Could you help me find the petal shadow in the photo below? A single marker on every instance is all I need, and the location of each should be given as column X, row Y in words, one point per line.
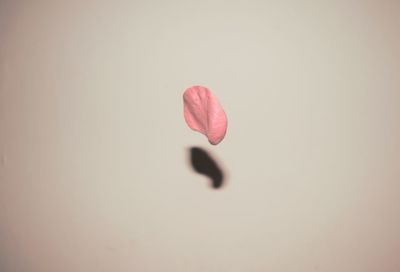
column 203, row 163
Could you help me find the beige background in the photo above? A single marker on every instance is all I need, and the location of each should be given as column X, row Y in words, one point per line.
column 94, row 172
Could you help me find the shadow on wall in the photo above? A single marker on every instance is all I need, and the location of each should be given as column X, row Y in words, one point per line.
column 203, row 163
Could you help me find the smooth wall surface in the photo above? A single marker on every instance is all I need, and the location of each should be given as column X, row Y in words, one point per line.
column 94, row 172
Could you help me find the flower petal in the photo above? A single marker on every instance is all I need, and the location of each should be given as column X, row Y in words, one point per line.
column 204, row 114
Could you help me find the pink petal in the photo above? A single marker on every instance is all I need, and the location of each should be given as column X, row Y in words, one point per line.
column 204, row 114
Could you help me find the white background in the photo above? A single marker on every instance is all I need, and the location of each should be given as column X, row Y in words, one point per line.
column 94, row 166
